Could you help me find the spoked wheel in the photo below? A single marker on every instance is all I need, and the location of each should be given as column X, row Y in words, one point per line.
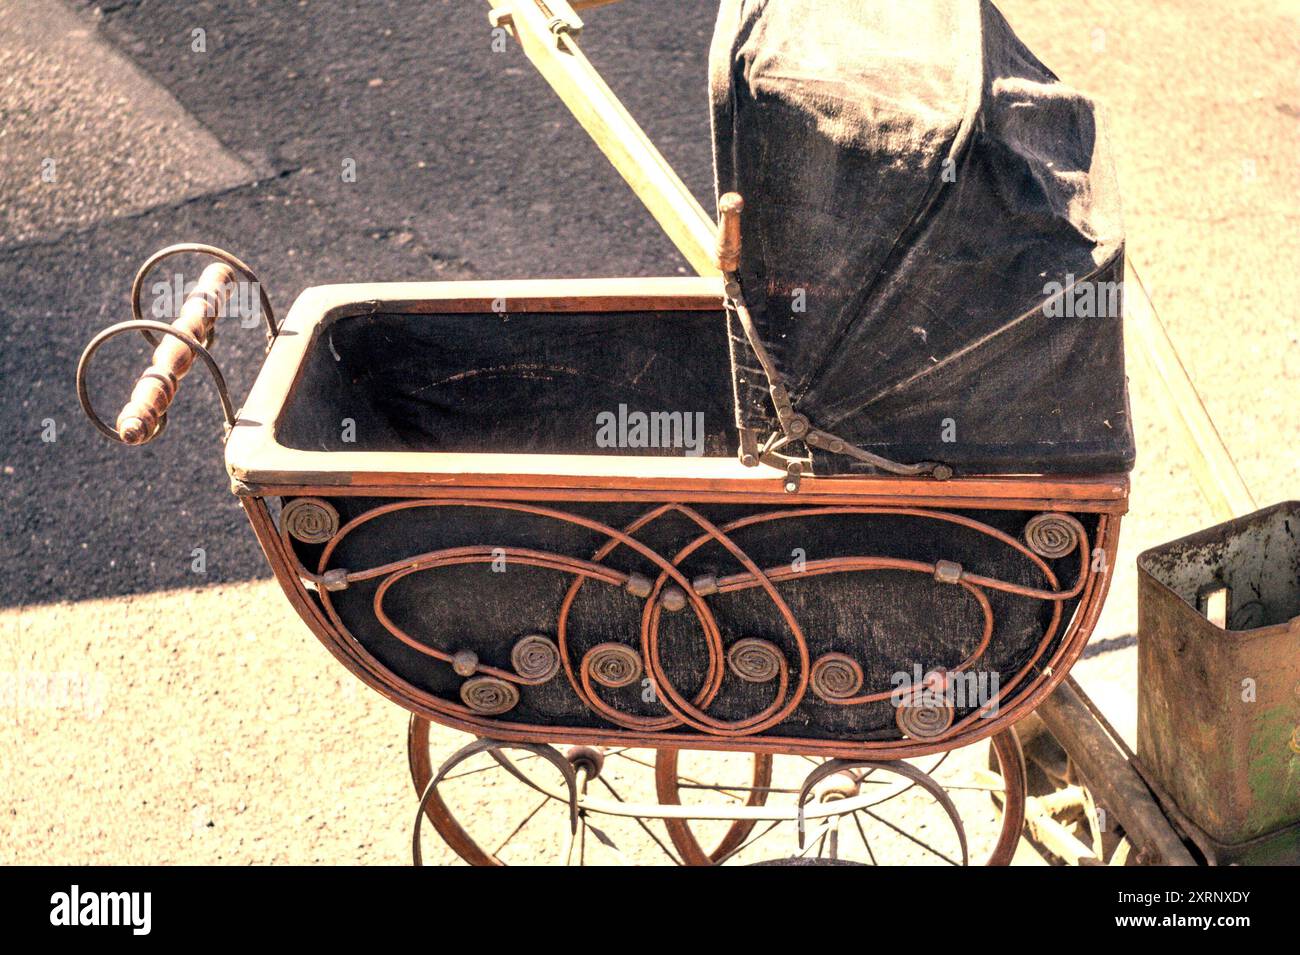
column 504, row 803
column 421, row 763
column 668, row 787
column 493, row 803
column 918, row 812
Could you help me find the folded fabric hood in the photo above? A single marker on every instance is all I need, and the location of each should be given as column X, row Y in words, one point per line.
column 932, row 247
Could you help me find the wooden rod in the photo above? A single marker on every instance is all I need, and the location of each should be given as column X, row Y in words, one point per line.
column 561, row 62
column 1212, row 467
column 1113, row 781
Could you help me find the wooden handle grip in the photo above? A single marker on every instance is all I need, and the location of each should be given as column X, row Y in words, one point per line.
column 172, row 359
column 730, row 206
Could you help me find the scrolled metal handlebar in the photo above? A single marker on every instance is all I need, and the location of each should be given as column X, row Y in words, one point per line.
column 199, row 248
column 144, row 325
column 145, row 414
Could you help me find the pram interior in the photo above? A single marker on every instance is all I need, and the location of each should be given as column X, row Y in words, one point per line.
column 625, row 382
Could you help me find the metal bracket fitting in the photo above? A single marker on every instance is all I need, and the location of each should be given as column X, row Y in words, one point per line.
column 561, row 19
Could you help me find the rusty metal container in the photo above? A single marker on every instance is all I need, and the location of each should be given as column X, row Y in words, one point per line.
column 1219, row 683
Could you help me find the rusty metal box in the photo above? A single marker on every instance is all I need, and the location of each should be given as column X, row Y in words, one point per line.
column 1219, row 682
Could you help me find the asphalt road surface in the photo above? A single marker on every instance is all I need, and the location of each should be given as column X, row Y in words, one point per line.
column 466, row 166
column 209, row 725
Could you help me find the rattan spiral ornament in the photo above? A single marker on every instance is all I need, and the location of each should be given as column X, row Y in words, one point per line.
column 836, row 677
column 535, row 658
column 754, row 660
column 310, row 520
column 489, row 695
column 924, row 715
column 613, row 664
column 1052, row 535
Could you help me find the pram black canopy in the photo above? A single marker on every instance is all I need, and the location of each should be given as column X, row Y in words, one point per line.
column 933, row 250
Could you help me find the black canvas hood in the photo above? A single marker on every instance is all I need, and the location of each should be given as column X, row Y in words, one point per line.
column 933, row 249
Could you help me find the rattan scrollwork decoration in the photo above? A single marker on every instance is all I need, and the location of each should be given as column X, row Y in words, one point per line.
column 785, row 665
column 1052, row 535
column 754, row 660
column 535, row 658
column 924, row 714
column 310, row 520
column 836, row 677
column 613, row 665
column 489, row 695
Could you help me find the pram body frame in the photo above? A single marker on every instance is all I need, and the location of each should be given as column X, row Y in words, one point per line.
column 262, row 469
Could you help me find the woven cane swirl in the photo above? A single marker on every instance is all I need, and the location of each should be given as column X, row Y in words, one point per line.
column 924, row 716
column 489, row 695
column 754, row 660
column 836, row 677
column 613, row 664
column 536, row 658
column 310, row 520
column 1051, row 535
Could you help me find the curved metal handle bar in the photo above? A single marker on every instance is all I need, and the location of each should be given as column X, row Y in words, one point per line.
column 145, row 325
column 199, row 248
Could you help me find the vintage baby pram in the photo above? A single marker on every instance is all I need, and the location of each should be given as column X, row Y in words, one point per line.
column 856, row 501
